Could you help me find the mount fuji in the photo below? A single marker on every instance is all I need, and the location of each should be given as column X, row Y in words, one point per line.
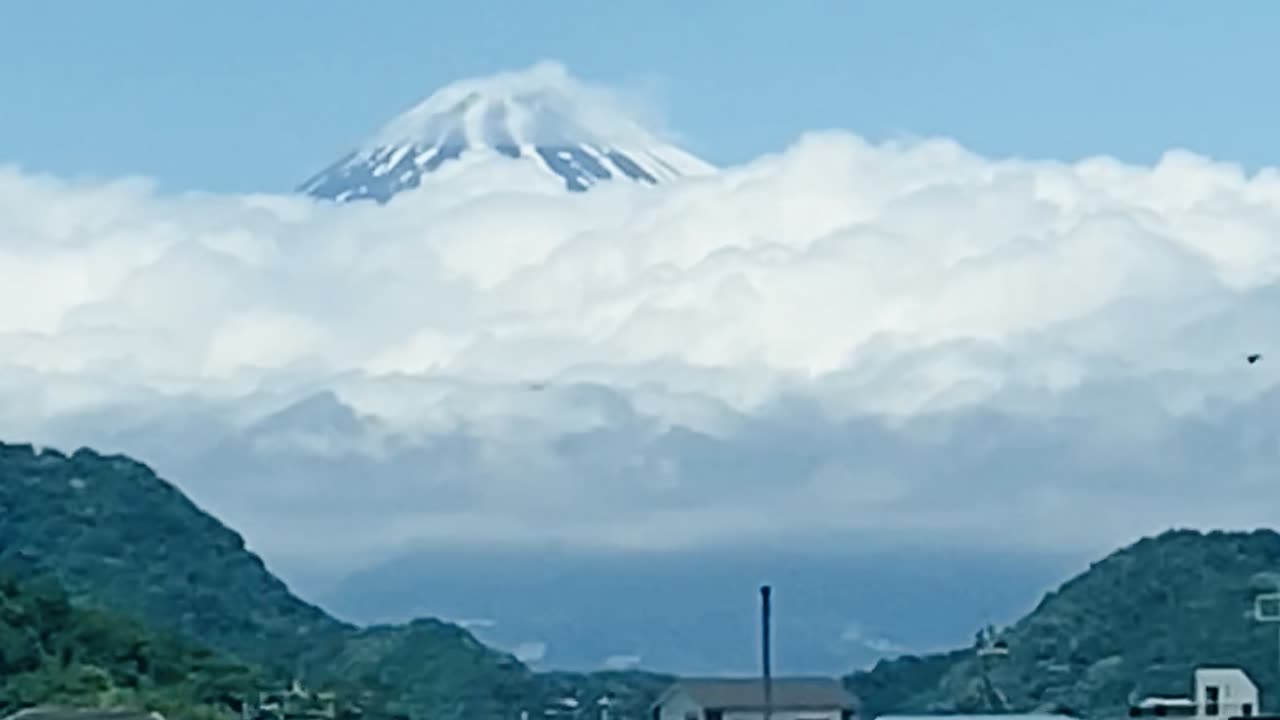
column 541, row 115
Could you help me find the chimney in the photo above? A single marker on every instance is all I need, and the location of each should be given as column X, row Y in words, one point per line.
column 765, row 663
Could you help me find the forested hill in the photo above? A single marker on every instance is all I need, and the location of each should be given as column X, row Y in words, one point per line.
column 1136, row 623
column 119, row 538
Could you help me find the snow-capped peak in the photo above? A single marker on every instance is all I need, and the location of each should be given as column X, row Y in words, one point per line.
column 540, row 114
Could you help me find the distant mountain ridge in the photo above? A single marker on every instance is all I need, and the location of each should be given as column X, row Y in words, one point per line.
column 539, row 116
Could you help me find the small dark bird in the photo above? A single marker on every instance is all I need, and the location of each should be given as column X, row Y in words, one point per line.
column 1253, row 358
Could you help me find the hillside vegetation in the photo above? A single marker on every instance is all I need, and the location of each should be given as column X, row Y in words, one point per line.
column 122, row 540
column 54, row 653
column 1136, row 623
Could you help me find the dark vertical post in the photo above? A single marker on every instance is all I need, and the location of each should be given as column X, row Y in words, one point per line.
column 765, row 612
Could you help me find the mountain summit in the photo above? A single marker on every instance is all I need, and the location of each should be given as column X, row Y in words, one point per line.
column 537, row 115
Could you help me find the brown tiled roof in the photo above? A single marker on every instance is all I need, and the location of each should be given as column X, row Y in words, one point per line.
column 789, row 693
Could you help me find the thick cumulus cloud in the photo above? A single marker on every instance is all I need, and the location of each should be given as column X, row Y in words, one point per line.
column 843, row 343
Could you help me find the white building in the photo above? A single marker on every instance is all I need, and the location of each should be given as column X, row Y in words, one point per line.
column 1220, row 693
column 743, row 699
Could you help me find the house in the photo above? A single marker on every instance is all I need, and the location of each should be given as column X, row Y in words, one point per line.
column 1223, row 693
column 294, row 703
column 794, row 698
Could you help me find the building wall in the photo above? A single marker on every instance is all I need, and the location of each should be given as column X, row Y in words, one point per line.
column 675, row 707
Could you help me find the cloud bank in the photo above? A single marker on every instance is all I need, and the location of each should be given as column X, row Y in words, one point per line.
column 843, row 343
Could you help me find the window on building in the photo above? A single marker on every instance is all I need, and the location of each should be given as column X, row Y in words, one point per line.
column 1212, row 695
column 1246, row 710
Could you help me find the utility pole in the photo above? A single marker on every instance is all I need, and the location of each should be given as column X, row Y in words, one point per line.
column 766, row 668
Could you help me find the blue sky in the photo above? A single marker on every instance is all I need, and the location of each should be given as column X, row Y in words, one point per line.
column 247, row 95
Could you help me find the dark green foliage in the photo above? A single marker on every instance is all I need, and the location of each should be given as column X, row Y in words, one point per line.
column 1136, row 623
column 52, row 652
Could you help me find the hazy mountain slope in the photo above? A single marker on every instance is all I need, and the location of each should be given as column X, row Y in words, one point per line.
column 695, row 612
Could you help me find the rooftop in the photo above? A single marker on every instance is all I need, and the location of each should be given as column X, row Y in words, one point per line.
column 789, row 693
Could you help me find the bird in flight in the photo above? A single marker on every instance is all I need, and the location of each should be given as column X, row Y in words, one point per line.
column 1253, row 358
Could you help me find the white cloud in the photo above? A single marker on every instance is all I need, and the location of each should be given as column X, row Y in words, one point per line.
column 530, row 652
column 840, row 341
column 611, row 113
column 856, row 634
column 622, row 662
